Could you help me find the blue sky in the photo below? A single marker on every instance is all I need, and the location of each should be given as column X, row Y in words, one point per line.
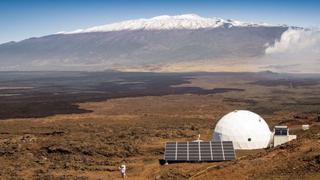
column 21, row 19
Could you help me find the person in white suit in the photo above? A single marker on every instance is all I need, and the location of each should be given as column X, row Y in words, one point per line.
column 122, row 169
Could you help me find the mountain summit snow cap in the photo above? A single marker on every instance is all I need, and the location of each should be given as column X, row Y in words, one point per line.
column 166, row 22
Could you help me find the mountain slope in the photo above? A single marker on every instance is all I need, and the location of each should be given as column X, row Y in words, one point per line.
column 157, row 41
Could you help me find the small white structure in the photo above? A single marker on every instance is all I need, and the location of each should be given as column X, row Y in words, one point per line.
column 305, row 127
column 281, row 135
column 247, row 130
column 198, row 139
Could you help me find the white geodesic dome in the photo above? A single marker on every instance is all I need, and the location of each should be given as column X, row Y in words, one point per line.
column 247, row 130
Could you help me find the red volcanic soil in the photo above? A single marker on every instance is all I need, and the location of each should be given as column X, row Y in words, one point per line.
column 92, row 144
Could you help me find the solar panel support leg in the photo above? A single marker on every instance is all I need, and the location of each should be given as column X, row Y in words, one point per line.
column 222, row 151
column 187, row 151
column 199, row 151
column 211, row 151
column 176, row 155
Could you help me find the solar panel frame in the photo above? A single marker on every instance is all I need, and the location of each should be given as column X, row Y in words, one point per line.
column 217, row 151
column 205, row 151
column 229, row 151
column 170, row 151
column 181, row 151
column 196, row 151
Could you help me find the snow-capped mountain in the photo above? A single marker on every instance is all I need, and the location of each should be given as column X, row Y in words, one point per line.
column 144, row 44
column 186, row 21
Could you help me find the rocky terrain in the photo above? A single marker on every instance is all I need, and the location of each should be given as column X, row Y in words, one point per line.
column 133, row 129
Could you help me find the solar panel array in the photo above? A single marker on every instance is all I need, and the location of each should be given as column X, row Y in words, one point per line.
column 199, row 151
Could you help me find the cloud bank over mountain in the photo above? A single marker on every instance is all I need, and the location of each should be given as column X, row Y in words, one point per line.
column 297, row 50
column 297, row 42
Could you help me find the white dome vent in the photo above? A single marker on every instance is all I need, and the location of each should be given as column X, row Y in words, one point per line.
column 247, row 130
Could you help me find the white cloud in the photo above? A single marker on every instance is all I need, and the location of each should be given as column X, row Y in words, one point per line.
column 297, row 42
column 298, row 50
